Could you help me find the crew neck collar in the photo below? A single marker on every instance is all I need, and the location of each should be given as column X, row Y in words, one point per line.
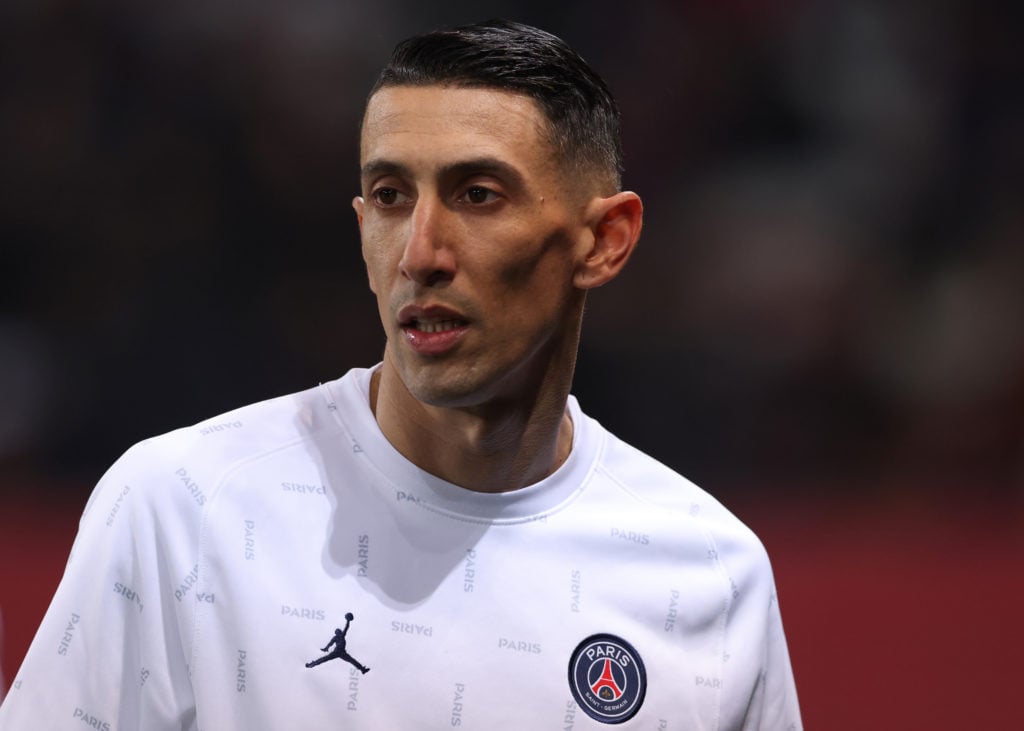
column 350, row 396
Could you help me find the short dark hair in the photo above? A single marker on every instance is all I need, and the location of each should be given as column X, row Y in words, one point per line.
column 581, row 112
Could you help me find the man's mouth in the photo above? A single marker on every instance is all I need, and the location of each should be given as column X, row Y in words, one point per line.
column 432, row 330
column 434, row 326
column 431, row 318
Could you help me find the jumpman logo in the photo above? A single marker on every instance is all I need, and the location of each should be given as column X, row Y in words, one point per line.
column 606, row 687
column 339, row 648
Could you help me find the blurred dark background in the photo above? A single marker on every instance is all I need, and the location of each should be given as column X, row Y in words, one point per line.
column 822, row 325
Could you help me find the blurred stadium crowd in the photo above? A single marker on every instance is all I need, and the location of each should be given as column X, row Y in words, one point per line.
column 829, row 289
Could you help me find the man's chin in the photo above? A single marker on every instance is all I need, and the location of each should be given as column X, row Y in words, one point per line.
column 445, row 395
column 449, row 383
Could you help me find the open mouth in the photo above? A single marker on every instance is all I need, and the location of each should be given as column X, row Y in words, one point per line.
column 432, row 330
column 434, row 326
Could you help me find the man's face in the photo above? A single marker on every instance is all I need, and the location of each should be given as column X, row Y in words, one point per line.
column 471, row 233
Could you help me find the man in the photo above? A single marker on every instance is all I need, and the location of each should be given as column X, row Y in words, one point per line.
column 513, row 565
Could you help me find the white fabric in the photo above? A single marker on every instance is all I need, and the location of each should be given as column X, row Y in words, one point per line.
column 212, row 563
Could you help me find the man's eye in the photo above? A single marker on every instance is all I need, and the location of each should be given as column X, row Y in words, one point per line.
column 479, row 194
column 386, row 196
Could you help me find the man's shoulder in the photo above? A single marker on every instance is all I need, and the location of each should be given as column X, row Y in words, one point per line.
column 187, row 463
column 676, row 498
column 250, row 429
column 649, row 479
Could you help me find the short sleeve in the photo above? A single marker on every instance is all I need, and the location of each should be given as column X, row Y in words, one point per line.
column 112, row 650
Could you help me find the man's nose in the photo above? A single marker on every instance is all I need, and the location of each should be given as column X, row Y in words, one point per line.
column 428, row 258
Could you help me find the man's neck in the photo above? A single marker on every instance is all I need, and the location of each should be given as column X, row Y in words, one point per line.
column 494, row 449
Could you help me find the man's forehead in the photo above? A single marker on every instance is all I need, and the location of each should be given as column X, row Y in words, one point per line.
column 474, row 115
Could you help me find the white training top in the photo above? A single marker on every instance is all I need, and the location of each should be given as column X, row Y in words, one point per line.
column 215, row 562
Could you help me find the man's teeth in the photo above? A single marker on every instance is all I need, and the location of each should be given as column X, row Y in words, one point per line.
column 437, row 327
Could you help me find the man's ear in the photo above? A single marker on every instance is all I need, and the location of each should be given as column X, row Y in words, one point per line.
column 357, row 206
column 615, row 224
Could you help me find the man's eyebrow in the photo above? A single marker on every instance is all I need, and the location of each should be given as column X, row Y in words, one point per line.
column 460, row 168
column 377, row 168
column 483, row 166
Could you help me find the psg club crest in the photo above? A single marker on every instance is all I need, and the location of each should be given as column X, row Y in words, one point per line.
column 607, row 678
